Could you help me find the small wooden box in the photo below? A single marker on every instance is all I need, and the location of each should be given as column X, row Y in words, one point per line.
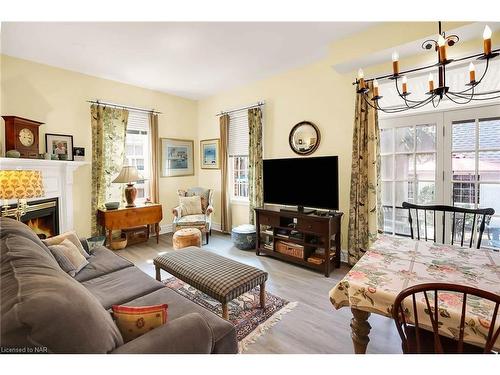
column 291, row 249
column 136, row 234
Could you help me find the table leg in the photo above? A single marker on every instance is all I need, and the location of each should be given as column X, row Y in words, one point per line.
column 158, row 273
column 225, row 314
column 157, row 230
column 263, row 295
column 110, row 232
column 360, row 329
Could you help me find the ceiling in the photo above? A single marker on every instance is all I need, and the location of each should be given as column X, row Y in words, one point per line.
column 189, row 59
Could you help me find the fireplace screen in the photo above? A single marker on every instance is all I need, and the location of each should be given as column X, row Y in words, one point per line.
column 42, row 216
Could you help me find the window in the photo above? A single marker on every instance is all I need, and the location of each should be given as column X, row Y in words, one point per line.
column 450, row 157
column 238, row 154
column 138, row 150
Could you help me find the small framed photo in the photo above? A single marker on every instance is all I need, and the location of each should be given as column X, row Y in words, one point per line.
column 79, row 153
column 209, row 153
column 177, row 157
column 60, row 145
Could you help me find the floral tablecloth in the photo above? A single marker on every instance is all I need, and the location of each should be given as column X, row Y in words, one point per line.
column 395, row 263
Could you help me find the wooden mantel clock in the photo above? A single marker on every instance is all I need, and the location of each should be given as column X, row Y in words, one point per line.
column 22, row 135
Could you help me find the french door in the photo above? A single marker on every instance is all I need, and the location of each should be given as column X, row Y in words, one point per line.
column 448, row 157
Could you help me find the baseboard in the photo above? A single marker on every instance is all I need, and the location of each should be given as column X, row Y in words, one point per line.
column 166, row 228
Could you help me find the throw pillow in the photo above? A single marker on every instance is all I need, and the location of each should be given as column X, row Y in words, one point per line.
column 63, row 260
column 72, row 236
column 134, row 321
column 71, row 252
column 204, row 194
column 190, row 205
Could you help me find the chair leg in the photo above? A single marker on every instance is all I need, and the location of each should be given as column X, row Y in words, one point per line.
column 207, row 237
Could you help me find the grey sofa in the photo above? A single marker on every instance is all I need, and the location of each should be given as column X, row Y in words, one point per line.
column 43, row 309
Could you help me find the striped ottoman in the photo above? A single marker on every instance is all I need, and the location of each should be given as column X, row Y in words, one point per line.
column 219, row 277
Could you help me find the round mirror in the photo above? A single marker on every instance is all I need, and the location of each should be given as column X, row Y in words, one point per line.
column 304, row 138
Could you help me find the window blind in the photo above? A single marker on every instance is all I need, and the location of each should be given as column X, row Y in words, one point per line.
column 138, row 121
column 238, row 133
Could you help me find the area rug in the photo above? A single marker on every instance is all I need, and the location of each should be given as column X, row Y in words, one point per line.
column 245, row 313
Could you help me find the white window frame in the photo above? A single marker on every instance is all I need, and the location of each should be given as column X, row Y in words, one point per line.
column 444, row 121
column 236, row 198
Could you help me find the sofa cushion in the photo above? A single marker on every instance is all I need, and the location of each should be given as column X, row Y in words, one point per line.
column 14, row 227
column 42, row 306
column 71, row 252
column 135, row 321
column 224, row 332
column 119, row 287
column 101, row 262
column 71, row 236
column 63, row 261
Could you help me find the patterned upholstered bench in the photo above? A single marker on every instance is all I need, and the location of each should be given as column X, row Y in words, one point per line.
column 221, row 278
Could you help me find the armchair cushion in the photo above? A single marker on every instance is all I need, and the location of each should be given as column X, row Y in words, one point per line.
column 203, row 193
column 190, row 205
column 192, row 220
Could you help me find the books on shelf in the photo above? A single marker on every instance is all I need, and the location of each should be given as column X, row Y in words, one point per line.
column 268, row 246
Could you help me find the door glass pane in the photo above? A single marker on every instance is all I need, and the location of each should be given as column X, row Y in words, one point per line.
column 387, row 193
column 488, row 196
column 401, row 225
column 404, row 166
column 463, row 164
column 426, row 138
column 489, row 133
column 426, row 166
column 388, row 222
column 464, row 135
column 404, row 192
column 386, row 167
column 464, row 194
column 426, row 191
column 386, row 144
column 489, row 165
column 404, row 139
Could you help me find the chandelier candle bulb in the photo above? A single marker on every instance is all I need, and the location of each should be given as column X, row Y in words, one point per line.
column 405, row 85
column 487, row 40
column 431, row 82
column 375, row 87
column 361, row 79
column 472, row 73
column 442, row 49
column 395, row 63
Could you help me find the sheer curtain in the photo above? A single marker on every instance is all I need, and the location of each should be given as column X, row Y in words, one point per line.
column 365, row 214
column 225, row 211
column 154, row 141
column 109, row 127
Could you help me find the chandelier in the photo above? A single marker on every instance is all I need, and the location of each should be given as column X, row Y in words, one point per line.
column 435, row 93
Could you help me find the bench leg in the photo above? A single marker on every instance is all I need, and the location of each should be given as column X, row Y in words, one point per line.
column 158, row 275
column 225, row 314
column 263, row 295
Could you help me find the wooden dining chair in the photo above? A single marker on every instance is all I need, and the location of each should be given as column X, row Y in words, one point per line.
column 417, row 340
column 459, row 216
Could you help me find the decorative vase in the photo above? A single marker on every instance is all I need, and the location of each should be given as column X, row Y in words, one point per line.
column 130, row 194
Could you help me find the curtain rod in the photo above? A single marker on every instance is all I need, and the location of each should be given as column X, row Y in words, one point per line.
column 114, row 105
column 258, row 104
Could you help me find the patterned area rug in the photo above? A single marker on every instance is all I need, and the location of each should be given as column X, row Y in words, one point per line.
column 245, row 313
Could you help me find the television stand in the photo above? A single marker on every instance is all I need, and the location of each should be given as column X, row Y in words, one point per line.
column 300, row 210
column 308, row 240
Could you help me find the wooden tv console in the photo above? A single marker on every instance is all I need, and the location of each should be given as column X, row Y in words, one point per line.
column 278, row 231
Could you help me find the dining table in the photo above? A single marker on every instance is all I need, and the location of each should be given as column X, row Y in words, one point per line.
column 393, row 263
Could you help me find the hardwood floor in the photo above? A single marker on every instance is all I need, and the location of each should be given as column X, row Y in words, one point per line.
column 314, row 326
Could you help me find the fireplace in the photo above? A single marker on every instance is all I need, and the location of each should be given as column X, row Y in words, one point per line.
column 42, row 216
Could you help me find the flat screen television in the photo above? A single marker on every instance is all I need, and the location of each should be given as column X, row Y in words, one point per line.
column 303, row 182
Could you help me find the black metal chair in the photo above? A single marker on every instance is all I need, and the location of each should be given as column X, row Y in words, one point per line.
column 459, row 218
column 416, row 340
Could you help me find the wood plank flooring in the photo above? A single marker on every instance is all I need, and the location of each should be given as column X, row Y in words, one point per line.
column 314, row 326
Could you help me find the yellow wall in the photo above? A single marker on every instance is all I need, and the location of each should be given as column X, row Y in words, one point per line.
column 58, row 98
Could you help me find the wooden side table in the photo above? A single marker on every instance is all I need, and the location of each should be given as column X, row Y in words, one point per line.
column 122, row 218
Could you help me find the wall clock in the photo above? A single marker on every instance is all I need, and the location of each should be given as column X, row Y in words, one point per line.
column 22, row 134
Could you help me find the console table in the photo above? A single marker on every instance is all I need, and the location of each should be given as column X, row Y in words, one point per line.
column 129, row 217
column 309, row 231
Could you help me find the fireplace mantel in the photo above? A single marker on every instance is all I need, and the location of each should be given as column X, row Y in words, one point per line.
column 57, row 181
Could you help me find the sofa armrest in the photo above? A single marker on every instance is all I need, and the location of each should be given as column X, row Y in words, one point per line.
column 189, row 334
column 210, row 210
column 176, row 211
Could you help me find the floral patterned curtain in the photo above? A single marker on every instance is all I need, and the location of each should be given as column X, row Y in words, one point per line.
column 365, row 213
column 255, row 186
column 109, row 126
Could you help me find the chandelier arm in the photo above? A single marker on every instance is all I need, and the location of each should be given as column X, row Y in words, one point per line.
column 457, row 102
column 475, row 83
column 367, row 102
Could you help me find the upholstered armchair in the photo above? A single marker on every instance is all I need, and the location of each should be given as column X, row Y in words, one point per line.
column 202, row 221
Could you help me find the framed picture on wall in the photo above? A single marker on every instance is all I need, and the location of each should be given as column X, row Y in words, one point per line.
column 177, row 157
column 60, row 145
column 209, row 154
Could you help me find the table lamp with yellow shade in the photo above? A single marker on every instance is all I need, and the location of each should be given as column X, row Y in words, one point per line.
column 20, row 185
column 128, row 175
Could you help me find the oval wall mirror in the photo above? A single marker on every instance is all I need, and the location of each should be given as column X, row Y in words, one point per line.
column 304, row 138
